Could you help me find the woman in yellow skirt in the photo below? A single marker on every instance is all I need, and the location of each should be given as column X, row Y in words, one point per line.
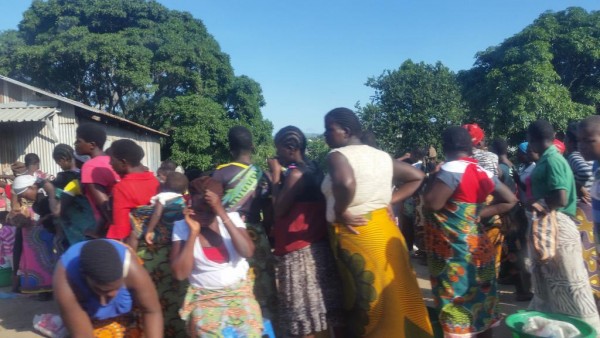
column 381, row 293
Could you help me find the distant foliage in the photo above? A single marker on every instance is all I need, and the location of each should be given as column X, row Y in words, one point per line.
column 317, row 150
column 412, row 106
column 144, row 62
column 549, row 70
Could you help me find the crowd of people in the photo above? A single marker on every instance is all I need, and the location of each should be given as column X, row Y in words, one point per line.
column 314, row 252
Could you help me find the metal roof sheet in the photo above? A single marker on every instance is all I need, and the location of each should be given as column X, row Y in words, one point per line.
column 23, row 114
column 87, row 108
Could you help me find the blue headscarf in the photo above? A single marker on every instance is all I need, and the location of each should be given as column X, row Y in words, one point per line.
column 523, row 147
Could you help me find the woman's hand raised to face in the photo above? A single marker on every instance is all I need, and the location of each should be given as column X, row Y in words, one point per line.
column 191, row 222
column 275, row 168
column 214, row 201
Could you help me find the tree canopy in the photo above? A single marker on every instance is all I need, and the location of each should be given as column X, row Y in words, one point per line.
column 549, row 70
column 412, row 106
column 142, row 61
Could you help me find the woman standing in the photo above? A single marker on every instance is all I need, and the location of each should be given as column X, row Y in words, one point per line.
column 561, row 283
column 381, row 292
column 242, row 184
column 210, row 247
column 37, row 257
column 584, row 179
column 460, row 254
column 300, row 232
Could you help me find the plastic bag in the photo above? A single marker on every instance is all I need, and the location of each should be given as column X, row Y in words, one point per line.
column 549, row 328
column 50, row 325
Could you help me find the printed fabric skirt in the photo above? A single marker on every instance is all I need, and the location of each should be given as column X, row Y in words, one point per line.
column 562, row 285
column 262, row 271
column 155, row 258
column 37, row 260
column 381, row 294
column 208, row 312
column 309, row 295
column 584, row 221
column 462, row 260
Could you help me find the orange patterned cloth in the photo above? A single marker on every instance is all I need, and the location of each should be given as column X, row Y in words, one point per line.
column 126, row 326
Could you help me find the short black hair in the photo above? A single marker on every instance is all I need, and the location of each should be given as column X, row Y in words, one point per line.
column 419, row 152
column 127, row 150
column 592, row 122
column 92, row 132
column 456, row 139
column 346, row 118
column 176, row 182
column 291, row 137
column 31, row 159
column 571, row 132
column 499, row 146
column 541, row 130
column 240, row 139
column 100, row 261
column 168, row 165
column 62, row 152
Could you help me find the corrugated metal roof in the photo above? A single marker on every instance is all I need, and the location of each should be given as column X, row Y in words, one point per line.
column 81, row 105
column 12, row 114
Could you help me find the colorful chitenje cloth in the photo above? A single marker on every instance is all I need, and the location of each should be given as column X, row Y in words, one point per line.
column 155, row 257
column 37, row 260
column 207, row 312
column 125, row 326
column 78, row 218
column 381, row 294
column 461, row 257
column 583, row 220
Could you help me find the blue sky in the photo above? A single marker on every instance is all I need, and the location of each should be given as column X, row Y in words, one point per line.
column 311, row 56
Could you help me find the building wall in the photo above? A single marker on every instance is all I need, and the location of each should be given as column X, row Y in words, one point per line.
column 18, row 139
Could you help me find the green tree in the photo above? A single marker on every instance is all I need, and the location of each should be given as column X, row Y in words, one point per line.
column 549, row 70
column 412, row 106
column 317, row 150
column 136, row 58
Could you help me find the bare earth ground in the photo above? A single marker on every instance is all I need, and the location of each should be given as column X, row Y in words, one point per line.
column 16, row 315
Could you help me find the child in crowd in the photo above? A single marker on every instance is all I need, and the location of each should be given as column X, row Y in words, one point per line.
column 136, row 188
column 167, row 206
column 97, row 175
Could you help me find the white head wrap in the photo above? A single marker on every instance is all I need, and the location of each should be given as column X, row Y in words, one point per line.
column 22, row 182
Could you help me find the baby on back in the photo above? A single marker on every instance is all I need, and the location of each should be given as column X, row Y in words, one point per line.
column 167, row 207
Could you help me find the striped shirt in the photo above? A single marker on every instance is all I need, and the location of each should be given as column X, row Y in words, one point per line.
column 582, row 169
column 487, row 160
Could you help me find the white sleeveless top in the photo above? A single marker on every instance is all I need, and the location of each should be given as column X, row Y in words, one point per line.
column 373, row 172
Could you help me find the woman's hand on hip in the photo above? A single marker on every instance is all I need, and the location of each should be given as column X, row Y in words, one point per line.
column 350, row 221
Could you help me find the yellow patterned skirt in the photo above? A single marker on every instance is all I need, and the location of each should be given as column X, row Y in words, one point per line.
column 381, row 294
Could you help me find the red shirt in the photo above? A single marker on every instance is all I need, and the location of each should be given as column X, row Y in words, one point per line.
column 134, row 190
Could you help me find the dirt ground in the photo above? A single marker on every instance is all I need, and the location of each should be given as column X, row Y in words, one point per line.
column 16, row 315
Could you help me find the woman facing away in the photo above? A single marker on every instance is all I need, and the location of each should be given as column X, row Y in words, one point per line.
column 210, row 247
column 242, row 183
column 381, row 294
column 461, row 258
column 300, row 231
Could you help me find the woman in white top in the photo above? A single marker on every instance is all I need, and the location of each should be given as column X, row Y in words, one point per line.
column 381, row 292
column 210, row 247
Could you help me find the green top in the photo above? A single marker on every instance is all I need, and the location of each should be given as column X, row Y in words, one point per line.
column 552, row 172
